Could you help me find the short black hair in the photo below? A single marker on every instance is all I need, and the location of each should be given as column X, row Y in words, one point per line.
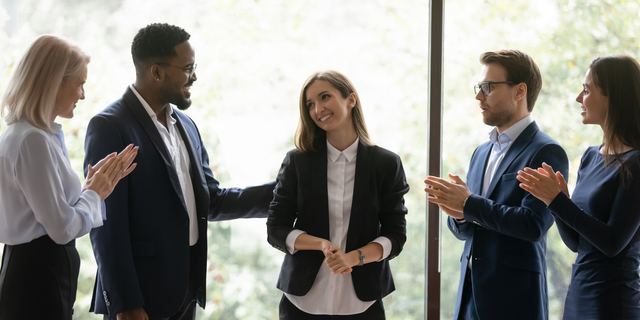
column 157, row 40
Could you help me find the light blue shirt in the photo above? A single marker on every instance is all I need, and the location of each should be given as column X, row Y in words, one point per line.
column 39, row 191
column 502, row 143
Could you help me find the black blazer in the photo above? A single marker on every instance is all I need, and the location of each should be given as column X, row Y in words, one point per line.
column 301, row 202
column 142, row 250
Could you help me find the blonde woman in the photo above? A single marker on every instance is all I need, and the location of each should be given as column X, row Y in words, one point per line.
column 43, row 205
column 338, row 209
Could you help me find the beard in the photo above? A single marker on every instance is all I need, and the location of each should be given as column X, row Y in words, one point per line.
column 502, row 116
column 176, row 97
column 181, row 102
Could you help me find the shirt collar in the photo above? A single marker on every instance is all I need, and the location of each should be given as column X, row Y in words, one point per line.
column 349, row 153
column 147, row 108
column 511, row 134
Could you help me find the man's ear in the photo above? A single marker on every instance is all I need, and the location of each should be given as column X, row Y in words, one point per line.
column 156, row 72
column 520, row 91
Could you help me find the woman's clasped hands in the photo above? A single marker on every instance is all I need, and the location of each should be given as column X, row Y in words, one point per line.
column 543, row 183
column 338, row 261
column 104, row 176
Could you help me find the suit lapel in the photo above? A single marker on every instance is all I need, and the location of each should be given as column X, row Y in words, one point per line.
column 479, row 165
column 195, row 161
column 319, row 190
column 149, row 127
column 360, row 193
column 521, row 143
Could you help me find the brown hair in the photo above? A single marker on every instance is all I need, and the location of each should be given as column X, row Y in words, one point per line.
column 520, row 68
column 308, row 134
column 618, row 78
column 34, row 83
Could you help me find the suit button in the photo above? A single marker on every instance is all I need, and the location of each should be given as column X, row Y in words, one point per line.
column 186, row 223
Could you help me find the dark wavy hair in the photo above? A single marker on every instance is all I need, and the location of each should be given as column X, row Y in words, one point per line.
column 156, row 41
column 618, row 78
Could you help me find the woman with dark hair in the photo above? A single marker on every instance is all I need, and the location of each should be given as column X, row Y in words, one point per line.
column 601, row 220
column 338, row 210
column 43, row 205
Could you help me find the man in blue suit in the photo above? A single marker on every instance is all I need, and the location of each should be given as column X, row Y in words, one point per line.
column 152, row 250
column 503, row 273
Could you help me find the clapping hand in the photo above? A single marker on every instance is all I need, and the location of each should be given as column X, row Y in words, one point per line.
column 104, row 176
column 543, row 183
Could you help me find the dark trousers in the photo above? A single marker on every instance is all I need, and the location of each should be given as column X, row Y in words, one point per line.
column 467, row 302
column 39, row 280
column 188, row 309
column 290, row 312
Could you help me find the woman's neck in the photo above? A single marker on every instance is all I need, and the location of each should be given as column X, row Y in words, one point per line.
column 342, row 139
column 621, row 148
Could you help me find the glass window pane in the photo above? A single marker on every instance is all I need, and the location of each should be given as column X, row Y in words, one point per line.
column 562, row 36
column 253, row 57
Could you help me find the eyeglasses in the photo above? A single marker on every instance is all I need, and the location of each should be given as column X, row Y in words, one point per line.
column 485, row 87
column 190, row 70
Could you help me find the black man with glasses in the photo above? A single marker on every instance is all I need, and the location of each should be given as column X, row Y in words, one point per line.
column 152, row 249
column 503, row 272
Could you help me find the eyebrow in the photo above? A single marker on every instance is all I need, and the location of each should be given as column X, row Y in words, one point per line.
column 319, row 94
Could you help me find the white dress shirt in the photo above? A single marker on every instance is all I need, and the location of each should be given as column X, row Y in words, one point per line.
column 180, row 157
column 334, row 294
column 40, row 194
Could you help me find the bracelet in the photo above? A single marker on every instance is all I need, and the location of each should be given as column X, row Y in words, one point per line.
column 361, row 258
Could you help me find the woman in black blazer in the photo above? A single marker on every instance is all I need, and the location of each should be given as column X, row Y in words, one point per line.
column 338, row 210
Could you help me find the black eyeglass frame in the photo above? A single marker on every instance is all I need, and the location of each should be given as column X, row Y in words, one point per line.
column 488, row 84
column 191, row 70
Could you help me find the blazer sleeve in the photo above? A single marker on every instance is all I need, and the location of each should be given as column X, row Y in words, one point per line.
column 282, row 211
column 393, row 224
column 531, row 219
column 112, row 242
column 231, row 203
column 609, row 237
column 459, row 230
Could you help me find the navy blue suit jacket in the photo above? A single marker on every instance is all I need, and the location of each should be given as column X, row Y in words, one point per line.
column 142, row 250
column 301, row 202
column 505, row 232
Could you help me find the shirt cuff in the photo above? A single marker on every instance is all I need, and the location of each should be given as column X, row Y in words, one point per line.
column 97, row 213
column 291, row 240
column 386, row 246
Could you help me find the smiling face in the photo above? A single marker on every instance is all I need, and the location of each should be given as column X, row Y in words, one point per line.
column 499, row 107
column 328, row 109
column 178, row 77
column 594, row 104
column 71, row 90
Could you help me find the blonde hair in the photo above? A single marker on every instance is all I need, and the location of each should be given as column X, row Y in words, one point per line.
column 34, row 82
column 308, row 133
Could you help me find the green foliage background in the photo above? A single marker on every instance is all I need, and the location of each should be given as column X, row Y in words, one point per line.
column 254, row 55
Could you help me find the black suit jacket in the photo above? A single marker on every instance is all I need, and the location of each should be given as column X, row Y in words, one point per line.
column 301, row 202
column 506, row 231
column 142, row 250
